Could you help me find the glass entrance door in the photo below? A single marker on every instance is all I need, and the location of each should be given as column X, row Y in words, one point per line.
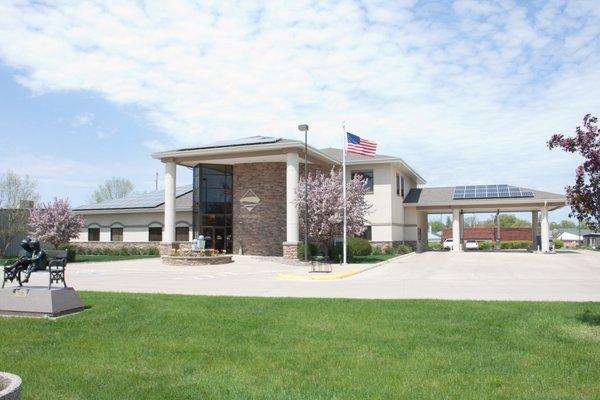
column 217, row 237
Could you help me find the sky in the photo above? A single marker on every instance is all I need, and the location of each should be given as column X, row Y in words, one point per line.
column 466, row 92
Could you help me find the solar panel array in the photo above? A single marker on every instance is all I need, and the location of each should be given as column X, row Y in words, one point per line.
column 490, row 192
column 143, row 200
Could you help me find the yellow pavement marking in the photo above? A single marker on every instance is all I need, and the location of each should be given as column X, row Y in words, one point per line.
column 323, row 277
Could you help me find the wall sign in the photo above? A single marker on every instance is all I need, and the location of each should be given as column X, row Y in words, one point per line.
column 249, row 200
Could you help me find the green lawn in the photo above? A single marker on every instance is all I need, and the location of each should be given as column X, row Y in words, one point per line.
column 132, row 346
column 83, row 258
column 371, row 259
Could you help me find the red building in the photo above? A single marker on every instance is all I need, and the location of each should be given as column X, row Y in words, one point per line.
column 490, row 234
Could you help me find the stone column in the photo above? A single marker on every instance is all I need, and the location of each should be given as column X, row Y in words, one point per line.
column 545, row 230
column 534, row 229
column 170, row 184
column 290, row 246
column 422, row 230
column 456, row 230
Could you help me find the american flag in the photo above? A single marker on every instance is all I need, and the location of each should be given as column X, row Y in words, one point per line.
column 360, row 146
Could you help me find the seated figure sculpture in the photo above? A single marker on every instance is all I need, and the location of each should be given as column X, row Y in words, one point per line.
column 33, row 257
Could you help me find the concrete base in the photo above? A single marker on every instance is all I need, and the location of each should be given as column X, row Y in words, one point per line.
column 39, row 301
column 10, row 386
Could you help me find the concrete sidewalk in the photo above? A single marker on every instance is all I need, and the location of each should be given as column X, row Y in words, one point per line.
column 570, row 276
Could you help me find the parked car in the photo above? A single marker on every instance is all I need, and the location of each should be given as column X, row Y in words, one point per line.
column 448, row 243
column 471, row 245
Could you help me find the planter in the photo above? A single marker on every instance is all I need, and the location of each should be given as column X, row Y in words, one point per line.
column 10, row 386
column 195, row 260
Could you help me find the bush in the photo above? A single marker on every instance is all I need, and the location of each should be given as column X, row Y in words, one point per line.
column 312, row 251
column 559, row 244
column 153, row 251
column 376, row 251
column 390, row 251
column 71, row 251
column 486, row 245
column 435, row 246
column 335, row 253
column 516, row 244
column 358, row 246
column 405, row 249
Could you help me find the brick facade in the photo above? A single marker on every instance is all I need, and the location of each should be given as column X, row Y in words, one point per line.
column 506, row 234
column 262, row 230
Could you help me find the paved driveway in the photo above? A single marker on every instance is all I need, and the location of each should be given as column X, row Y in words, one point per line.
column 573, row 276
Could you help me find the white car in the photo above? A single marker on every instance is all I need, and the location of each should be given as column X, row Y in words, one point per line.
column 471, row 245
column 447, row 245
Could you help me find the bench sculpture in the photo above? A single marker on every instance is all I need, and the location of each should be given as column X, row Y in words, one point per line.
column 34, row 258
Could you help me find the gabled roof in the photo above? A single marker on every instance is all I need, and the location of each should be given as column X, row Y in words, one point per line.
column 142, row 200
column 355, row 159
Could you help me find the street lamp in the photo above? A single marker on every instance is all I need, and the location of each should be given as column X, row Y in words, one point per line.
column 304, row 128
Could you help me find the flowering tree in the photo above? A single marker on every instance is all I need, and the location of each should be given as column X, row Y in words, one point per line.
column 54, row 222
column 584, row 196
column 325, row 206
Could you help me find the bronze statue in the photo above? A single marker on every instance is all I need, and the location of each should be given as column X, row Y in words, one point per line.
column 32, row 257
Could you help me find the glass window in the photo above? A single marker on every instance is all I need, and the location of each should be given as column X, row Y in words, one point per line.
column 213, row 206
column 402, row 186
column 367, row 233
column 368, row 175
column 116, row 234
column 397, row 185
column 182, row 234
column 155, row 234
column 93, row 234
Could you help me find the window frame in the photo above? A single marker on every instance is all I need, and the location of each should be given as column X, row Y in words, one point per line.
column 187, row 236
column 95, row 229
column 112, row 233
column 370, row 187
column 367, row 233
column 150, row 239
column 402, row 186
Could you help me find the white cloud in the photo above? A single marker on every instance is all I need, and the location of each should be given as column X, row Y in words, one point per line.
column 478, row 87
column 82, row 119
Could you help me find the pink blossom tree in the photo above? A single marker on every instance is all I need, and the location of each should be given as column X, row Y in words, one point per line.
column 325, row 206
column 584, row 195
column 54, row 222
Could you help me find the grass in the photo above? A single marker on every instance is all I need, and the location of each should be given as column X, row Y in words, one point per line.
column 373, row 258
column 84, row 258
column 144, row 346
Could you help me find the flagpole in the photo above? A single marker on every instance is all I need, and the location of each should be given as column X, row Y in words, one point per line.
column 344, row 251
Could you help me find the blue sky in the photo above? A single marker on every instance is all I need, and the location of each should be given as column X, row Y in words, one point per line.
column 467, row 92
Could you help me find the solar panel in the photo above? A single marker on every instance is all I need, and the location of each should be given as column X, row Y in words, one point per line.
column 490, row 192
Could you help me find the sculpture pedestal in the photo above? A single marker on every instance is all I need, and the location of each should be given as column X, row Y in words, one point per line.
column 39, row 301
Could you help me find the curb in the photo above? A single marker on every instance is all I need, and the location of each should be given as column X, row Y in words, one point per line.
column 343, row 275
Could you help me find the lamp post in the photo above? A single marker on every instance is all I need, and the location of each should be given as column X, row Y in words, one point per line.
column 304, row 128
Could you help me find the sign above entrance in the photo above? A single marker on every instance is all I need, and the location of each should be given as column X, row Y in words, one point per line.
column 249, row 200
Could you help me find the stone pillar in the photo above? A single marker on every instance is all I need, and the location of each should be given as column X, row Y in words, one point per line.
column 545, row 230
column 534, row 229
column 290, row 245
column 456, row 230
column 422, row 231
column 170, row 184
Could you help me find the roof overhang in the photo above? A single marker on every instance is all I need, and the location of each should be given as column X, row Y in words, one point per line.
column 485, row 206
column 267, row 152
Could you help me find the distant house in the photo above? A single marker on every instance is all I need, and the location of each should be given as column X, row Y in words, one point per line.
column 592, row 239
column 571, row 237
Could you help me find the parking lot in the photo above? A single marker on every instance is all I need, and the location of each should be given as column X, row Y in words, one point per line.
column 567, row 275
